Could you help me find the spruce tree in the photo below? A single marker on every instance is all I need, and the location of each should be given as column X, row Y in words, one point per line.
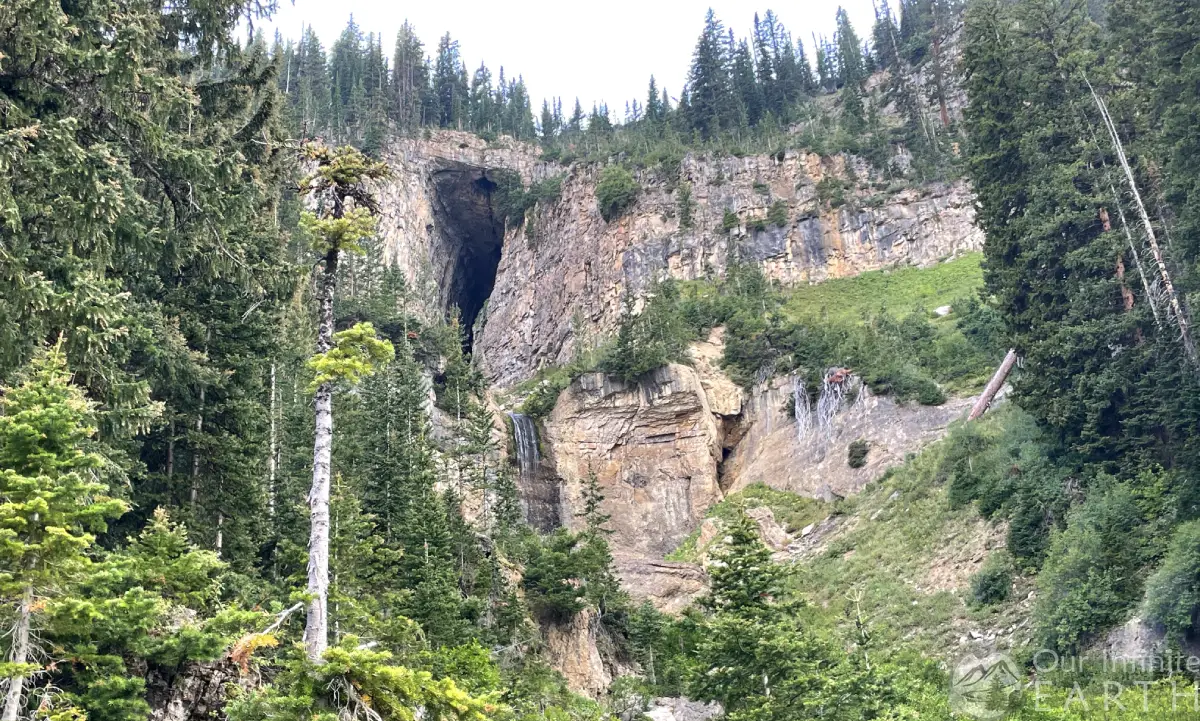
column 52, row 502
column 712, row 103
column 410, row 78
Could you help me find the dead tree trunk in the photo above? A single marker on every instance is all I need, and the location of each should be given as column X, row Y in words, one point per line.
column 316, row 629
column 20, row 654
column 994, row 385
column 1173, row 302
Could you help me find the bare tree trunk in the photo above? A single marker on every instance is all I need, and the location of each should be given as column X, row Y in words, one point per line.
column 195, row 492
column 938, row 75
column 994, row 385
column 272, row 460
column 316, row 629
column 171, row 449
column 1176, row 307
column 19, row 654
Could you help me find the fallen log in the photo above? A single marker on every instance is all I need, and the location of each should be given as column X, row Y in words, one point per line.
column 994, row 385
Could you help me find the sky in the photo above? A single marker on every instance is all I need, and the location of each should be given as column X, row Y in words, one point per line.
column 602, row 50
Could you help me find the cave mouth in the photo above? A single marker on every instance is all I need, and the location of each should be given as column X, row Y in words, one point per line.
column 472, row 237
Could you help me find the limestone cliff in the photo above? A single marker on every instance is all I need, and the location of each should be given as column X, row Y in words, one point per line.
column 570, row 267
column 574, row 267
column 654, row 447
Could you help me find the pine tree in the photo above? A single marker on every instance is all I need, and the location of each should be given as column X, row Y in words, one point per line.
column 746, row 85
column 712, row 104
column 655, row 113
column 852, row 72
column 52, row 501
column 449, row 84
column 410, row 78
column 348, row 216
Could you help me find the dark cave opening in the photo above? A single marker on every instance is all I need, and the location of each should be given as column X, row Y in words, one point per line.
column 471, row 240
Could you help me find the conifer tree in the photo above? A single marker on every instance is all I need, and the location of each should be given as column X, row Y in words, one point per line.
column 410, row 78
column 852, row 72
column 654, row 113
column 52, row 502
column 712, row 104
column 347, row 217
column 449, row 84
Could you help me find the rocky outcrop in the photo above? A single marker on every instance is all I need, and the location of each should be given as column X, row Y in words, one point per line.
column 682, row 709
column 653, row 446
column 572, row 269
column 771, row 452
column 194, row 692
column 670, row 586
column 436, row 203
column 583, row 652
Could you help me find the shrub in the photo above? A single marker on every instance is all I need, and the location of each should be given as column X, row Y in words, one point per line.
column 993, row 582
column 856, row 457
column 685, row 205
column 1173, row 592
column 512, row 201
column 1090, row 578
column 729, row 221
column 777, row 215
column 831, row 191
column 615, row 192
column 758, row 225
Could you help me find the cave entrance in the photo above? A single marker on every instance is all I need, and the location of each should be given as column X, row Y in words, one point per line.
column 471, row 238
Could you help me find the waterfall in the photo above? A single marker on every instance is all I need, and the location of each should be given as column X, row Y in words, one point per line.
column 526, row 441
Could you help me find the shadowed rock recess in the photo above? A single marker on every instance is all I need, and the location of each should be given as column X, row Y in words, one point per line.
column 472, row 236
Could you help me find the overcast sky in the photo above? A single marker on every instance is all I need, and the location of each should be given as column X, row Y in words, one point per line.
column 594, row 49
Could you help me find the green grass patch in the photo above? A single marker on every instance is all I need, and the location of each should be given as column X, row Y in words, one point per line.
column 792, row 512
column 896, row 291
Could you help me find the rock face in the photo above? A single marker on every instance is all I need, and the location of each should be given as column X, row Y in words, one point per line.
column 573, row 269
column 770, row 451
column 654, row 447
column 669, row 585
column 574, row 649
column 196, row 692
column 436, row 220
column 682, row 709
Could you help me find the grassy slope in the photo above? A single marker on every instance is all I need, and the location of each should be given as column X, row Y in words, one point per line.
column 898, row 290
column 900, row 551
column 907, row 556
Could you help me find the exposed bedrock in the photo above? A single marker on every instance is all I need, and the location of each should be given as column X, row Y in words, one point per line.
column 572, row 270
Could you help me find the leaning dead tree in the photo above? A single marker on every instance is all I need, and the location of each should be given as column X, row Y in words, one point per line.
column 994, row 385
column 1174, row 305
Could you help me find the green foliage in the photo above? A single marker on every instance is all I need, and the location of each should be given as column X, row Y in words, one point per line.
column 729, row 221
column 777, row 214
column 1091, row 577
column 856, row 455
column 992, row 583
column 616, row 191
column 361, row 679
column 567, row 572
column 356, row 353
column 1173, row 591
column 1003, row 465
column 512, row 201
column 686, row 205
column 651, row 339
column 831, row 191
column 791, row 511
